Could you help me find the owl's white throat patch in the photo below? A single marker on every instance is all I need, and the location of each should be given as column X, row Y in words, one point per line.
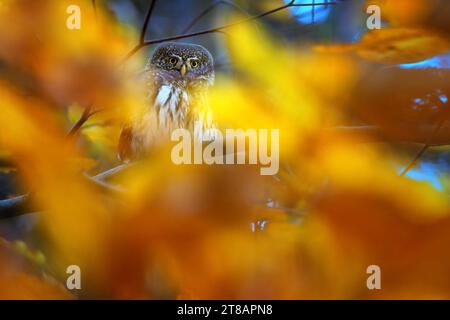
column 234, row 146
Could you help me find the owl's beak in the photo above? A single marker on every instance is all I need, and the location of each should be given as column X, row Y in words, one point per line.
column 183, row 70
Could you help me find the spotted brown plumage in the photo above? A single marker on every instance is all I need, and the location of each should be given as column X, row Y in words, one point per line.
column 177, row 77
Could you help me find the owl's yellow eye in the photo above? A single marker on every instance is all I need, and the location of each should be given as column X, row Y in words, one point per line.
column 194, row 64
column 173, row 61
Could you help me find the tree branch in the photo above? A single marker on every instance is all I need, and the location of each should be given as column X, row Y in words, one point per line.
column 425, row 147
column 427, row 134
column 111, row 172
column 211, row 8
column 219, row 29
column 87, row 113
column 147, row 21
column 14, row 207
column 20, row 205
column 230, row 25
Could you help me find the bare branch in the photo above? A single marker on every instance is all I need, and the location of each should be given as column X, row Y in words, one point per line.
column 105, row 185
column 414, row 161
column 425, row 147
column 20, row 205
column 131, row 53
column 211, row 8
column 221, row 28
column 147, row 21
column 87, row 113
column 217, row 29
column 113, row 171
column 144, row 29
column 14, row 207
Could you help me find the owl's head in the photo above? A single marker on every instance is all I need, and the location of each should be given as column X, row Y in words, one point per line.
column 182, row 62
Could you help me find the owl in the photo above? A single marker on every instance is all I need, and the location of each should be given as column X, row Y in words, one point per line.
column 176, row 79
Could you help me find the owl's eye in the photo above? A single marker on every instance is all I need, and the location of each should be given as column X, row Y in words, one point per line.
column 173, row 61
column 194, row 64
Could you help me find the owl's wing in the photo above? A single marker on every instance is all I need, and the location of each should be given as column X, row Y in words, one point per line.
column 130, row 135
column 125, row 150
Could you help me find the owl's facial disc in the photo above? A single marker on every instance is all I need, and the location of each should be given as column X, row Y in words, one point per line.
column 187, row 63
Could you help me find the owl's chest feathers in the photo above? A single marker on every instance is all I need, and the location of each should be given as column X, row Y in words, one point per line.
column 171, row 106
column 176, row 106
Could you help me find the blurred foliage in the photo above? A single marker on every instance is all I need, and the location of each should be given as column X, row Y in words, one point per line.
column 186, row 232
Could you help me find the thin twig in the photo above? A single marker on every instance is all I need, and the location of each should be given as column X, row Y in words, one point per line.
column 425, row 147
column 414, row 161
column 147, row 21
column 144, row 29
column 87, row 113
column 105, row 185
column 113, row 171
column 14, row 207
column 313, row 12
